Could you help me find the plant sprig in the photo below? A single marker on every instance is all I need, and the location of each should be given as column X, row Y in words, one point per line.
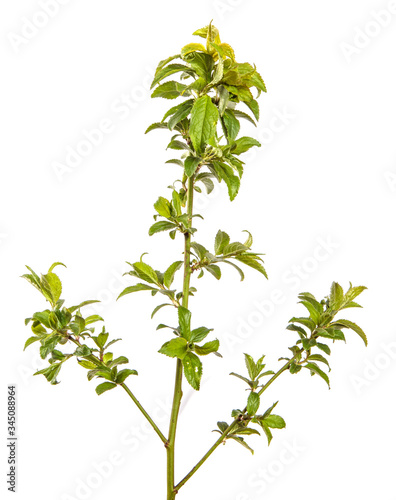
column 214, row 93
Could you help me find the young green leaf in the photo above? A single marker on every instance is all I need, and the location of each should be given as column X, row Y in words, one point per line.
column 124, row 374
column 314, row 368
column 157, row 227
column 344, row 323
column 275, row 422
column 244, row 144
column 204, row 116
column 212, row 346
column 191, row 164
column 175, row 348
column 184, row 322
column 136, row 288
column 170, row 90
column 192, row 370
column 199, row 334
column 106, row 386
column 253, row 403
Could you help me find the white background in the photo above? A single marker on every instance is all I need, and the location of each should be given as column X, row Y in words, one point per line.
column 326, row 173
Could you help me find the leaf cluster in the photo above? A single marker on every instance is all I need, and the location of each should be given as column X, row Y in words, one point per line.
column 60, row 326
column 226, row 252
column 320, row 327
column 207, row 122
column 187, row 348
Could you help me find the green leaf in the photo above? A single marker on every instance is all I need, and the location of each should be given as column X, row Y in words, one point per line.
column 266, row 430
column 156, row 125
column 83, row 304
column 184, row 322
column 51, row 372
column 106, row 386
column 93, row 319
column 214, row 270
column 163, row 207
column 175, row 348
column 55, row 286
column 203, row 65
column 254, row 107
column 87, row 364
column 199, row 334
column 242, row 378
column 136, row 288
column 221, row 241
column 224, row 96
column 162, row 225
column 177, row 145
column 124, row 374
column 313, row 312
column 192, row 47
column 156, row 309
column 170, row 273
column 212, row 346
column 251, row 261
column 167, row 71
column 324, row 347
column 243, row 144
column 204, row 116
column 121, row 360
column 192, row 370
column 304, row 321
column 336, row 295
column 145, row 272
column 170, row 90
column 318, row 357
column 253, row 403
column 164, row 62
column 83, row 351
column 43, row 317
column 275, row 422
column 314, row 368
column 353, row 292
column 101, row 339
column 353, row 326
column 245, row 116
column 245, row 431
column 231, row 123
column 241, row 441
column 182, row 111
column 30, row 341
column 232, row 181
column 251, row 366
column 55, row 264
column 191, row 164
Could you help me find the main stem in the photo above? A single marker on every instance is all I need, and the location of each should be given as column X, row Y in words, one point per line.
column 178, row 393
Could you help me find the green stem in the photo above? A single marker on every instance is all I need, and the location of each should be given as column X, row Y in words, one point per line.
column 99, row 362
column 178, row 393
column 153, row 424
column 207, row 455
column 229, row 428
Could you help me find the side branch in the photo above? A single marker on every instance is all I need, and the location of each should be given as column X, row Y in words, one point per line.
column 230, row 428
column 153, row 425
